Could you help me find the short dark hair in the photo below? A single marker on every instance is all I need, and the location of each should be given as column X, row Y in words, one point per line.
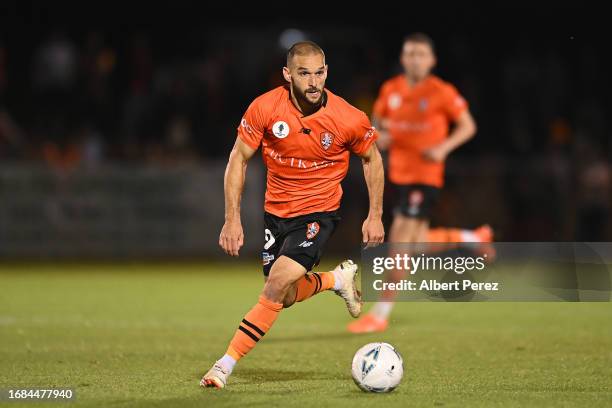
column 304, row 48
column 421, row 38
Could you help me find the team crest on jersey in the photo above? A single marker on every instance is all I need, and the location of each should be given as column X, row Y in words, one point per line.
column 280, row 129
column 312, row 230
column 423, row 104
column 327, row 139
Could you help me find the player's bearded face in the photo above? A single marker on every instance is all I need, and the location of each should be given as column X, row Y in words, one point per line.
column 417, row 59
column 308, row 75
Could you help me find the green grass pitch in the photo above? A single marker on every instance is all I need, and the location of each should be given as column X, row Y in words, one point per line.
column 132, row 335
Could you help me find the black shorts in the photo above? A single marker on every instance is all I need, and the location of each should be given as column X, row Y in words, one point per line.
column 415, row 200
column 300, row 238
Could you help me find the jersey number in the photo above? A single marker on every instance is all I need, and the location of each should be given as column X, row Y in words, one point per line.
column 269, row 239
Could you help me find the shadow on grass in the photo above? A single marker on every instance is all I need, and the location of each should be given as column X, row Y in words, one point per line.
column 312, row 337
column 259, row 376
column 217, row 401
column 248, row 376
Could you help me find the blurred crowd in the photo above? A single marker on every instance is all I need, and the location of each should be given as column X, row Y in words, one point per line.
column 142, row 95
column 72, row 99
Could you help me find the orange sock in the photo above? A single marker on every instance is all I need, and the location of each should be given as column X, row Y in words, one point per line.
column 444, row 235
column 313, row 283
column 253, row 327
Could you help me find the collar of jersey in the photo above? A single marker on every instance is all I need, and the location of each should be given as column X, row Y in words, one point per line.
column 414, row 88
column 323, row 104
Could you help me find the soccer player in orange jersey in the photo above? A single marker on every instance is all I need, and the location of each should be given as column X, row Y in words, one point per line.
column 306, row 134
column 414, row 113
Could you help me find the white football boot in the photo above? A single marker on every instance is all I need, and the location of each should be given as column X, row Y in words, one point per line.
column 348, row 273
column 215, row 377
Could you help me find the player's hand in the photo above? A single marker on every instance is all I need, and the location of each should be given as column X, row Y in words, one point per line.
column 373, row 231
column 436, row 154
column 231, row 238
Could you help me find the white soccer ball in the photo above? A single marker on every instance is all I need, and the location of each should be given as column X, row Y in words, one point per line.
column 377, row 367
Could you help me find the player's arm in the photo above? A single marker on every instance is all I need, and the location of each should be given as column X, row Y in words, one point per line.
column 231, row 238
column 464, row 130
column 384, row 138
column 373, row 171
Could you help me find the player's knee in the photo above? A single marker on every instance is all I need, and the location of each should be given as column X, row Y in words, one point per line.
column 277, row 285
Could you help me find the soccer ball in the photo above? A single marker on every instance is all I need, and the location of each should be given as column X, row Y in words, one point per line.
column 377, row 367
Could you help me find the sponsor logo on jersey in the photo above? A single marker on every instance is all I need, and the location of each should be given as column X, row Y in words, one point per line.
column 405, row 126
column 297, row 162
column 280, row 129
column 394, row 101
column 246, row 125
column 306, row 244
column 312, row 230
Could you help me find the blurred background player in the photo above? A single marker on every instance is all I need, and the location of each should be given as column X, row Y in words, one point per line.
column 306, row 133
column 414, row 112
column 478, row 240
column 484, row 233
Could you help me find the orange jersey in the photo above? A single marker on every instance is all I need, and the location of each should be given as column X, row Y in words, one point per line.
column 307, row 157
column 417, row 118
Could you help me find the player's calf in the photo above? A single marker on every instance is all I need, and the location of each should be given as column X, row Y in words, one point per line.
column 291, row 296
column 309, row 285
column 284, row 274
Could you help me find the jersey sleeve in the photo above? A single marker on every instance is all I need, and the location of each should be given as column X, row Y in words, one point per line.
column 381, row 105
column 363, row 134
column 453, row 103
column 252, row 125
